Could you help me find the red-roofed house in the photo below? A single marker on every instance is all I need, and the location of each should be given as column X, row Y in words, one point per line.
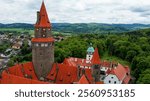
column 117, row 75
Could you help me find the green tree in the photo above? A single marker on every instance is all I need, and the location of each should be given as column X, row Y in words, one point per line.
column 144, row 77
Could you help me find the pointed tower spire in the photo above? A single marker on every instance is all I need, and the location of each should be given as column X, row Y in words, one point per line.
column 42, row 18
column 96, row 58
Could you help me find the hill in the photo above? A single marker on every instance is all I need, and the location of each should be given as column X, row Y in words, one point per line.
column 84, row 27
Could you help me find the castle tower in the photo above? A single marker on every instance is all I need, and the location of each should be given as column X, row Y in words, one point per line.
column 96, row 65
column 42, row 44
column 89, row 54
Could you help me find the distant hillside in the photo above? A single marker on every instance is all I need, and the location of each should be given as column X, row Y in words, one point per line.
column 84, row 27
column 141, row 32
column 16, row 25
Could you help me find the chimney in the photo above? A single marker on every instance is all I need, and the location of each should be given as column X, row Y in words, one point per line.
column 38, row 17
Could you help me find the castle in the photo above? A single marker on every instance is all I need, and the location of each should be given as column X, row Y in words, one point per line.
column 43, row 70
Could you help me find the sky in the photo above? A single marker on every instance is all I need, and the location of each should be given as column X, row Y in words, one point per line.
column 77, row 11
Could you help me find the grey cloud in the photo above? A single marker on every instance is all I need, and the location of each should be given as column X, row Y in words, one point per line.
column 143, row 11
column 140, row 9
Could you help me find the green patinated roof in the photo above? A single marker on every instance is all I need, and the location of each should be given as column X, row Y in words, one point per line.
column 90, row 49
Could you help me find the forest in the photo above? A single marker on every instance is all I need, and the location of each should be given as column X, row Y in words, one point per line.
column 129, row 48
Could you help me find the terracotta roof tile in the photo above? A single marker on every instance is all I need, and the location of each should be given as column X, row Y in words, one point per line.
column 95, row 58
column 65, row 74
column 50, row 39
column 44, row 20
column 127, row 79
column 120, row 72
column 83, row 80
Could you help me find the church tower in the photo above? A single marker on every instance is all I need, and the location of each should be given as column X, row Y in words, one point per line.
column 42, row 45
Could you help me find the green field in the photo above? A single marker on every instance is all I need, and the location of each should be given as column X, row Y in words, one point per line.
column 18, row 30
column 31, row 31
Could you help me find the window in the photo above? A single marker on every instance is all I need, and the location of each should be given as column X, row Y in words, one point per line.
column 112, row 77
column 46, row 45
column 36, row 44
column 102, row 72
column 42, row 45
column 44, row 35
column 96, row 67
column 115, row 82
column 109, row 81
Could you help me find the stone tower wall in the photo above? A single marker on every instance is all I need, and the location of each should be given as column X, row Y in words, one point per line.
column 42, row 57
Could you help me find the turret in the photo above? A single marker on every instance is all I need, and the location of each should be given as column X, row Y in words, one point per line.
column 42, row 45
column 89, row 54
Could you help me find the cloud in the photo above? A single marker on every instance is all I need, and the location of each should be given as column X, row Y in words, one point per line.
column 142, row 11
column 77, row 11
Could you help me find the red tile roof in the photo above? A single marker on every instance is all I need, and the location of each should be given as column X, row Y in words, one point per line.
column 119, row 71
column 76, row 61
column 63, row 74
column 83, row 80
column 88, row 74
column 127, row 79
column 23, row 69
column 95, row 58
column 101, row 82
column 50, row 39
column 123, row 73
column 13, row 79
column 105, row 63
column 20, row 74
column 43, row 21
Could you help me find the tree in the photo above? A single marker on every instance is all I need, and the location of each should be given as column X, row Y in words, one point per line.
column 130, row 55
column 10, row 63
column 144, row 77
